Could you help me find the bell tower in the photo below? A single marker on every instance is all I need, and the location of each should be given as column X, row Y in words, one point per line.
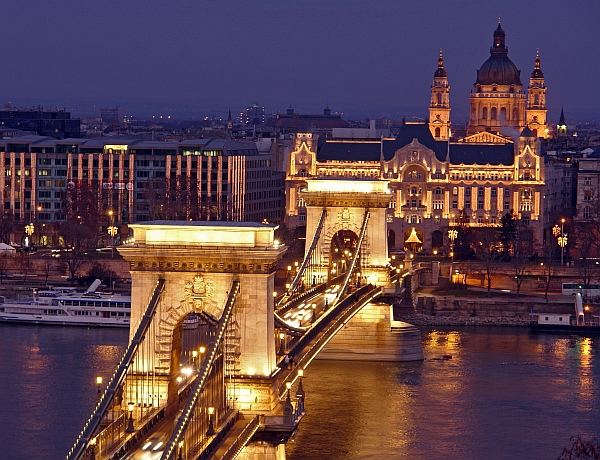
column 439, row 108
column 536, row 102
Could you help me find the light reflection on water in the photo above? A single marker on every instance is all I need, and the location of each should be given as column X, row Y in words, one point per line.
column 504, row 394
column 48, row 385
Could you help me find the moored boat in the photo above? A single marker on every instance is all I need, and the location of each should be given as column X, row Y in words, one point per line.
column 67, row 307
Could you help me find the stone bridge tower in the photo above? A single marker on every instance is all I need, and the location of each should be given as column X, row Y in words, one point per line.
column 345, row 202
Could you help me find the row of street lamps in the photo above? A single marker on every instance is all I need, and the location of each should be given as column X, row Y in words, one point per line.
column 558, row 232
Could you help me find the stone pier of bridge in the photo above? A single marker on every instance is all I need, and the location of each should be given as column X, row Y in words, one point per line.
column 199, row 262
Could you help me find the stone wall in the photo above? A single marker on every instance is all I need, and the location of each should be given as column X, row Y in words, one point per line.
column 492, row 307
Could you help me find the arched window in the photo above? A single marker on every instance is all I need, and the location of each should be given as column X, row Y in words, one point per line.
column 536, row 99
column 515, row 116
column 484, row 113
column 437, row 132
column 503, row 114
column 439, row 98
column 493, row 117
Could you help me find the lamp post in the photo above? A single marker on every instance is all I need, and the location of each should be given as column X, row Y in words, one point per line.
column 281, row 351
column 562, row 239
column 130, row 428
column 180, row 456
column 112, row 231
column 452, row 234
column 29, row 229
column 99, row 383
column 211, row 426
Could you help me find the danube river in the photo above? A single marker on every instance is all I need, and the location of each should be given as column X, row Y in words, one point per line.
column 505, row 394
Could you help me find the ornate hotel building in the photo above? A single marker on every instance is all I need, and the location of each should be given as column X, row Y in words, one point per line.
column 437, row 180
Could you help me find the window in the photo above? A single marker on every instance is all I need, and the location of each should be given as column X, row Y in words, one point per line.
column 587, row 181
column 480, row 191
column 506, row 192
column 455, row 205
column 438, row 191
column 43, row 194
column 587, row 212
column 494, row 192
column 44, row 172
column 467, row 205
column 587, row 195
column 454, row 190
column 142, row 174
column 468, row 191
column 506, row 205
column 480, row 205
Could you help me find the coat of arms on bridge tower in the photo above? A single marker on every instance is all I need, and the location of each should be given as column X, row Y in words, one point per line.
column 198, row 297
column 345, row 215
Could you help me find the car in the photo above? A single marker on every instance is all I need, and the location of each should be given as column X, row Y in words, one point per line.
column 6, row 276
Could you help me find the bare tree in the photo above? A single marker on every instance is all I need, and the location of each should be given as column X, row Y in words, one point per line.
column 3, row 264
column 7, row 224
column 78, row 239
column 548, row 270
column 522, row 249
column 24, row 262
column 487, row 252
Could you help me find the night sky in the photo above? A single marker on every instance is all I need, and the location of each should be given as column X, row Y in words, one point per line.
column 362, row 58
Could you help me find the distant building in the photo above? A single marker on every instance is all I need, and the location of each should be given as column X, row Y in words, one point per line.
column 41, row 122
column 292, row 122
column 112, row 115
column 253, row 116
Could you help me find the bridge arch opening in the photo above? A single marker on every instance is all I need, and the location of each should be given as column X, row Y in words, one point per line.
column 343, row 247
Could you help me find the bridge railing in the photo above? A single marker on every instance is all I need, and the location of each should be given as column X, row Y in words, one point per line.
column 306, row 260
column 361, row 295
column 87, row 436
column 242, row 439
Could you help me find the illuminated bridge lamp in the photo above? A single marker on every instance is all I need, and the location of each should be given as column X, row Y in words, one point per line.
column 288, row 385
column 130, row 428
column 281, row 351
column 211, row 426
column 99, row 383
column 180, row 456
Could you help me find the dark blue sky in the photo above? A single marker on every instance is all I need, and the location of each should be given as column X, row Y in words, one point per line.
column 185, row 58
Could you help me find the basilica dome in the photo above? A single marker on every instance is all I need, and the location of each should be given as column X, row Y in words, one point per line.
column 499, row 69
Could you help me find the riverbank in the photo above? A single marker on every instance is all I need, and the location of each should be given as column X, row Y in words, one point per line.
column 427, row 320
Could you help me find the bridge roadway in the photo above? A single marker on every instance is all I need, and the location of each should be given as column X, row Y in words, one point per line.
column 236, row 429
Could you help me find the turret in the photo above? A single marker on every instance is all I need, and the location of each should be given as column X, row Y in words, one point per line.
column 439, row 108
column 536, row 113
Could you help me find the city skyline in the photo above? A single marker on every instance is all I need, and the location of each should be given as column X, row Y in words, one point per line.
column 360, row 60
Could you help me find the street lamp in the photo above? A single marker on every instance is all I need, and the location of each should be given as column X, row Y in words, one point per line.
column 180, row 456
column 452, row 234
column 130, row 428
column 99, row 383
column 281, row 351
column 562, row 239
column 29, row 229
column 211, row 427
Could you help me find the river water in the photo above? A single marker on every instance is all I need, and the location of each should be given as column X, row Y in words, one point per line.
column 505, row 394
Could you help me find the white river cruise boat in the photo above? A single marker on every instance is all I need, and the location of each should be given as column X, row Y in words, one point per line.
column 65, row 306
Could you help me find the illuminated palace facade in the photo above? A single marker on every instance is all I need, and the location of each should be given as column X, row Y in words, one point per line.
column 438, row 181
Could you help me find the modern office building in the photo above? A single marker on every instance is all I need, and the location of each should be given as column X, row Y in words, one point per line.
column 41, row 122
column 133, row 180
